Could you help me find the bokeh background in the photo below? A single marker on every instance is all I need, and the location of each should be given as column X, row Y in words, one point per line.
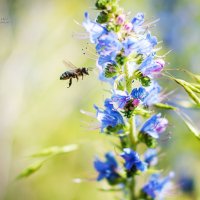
column 38, row 111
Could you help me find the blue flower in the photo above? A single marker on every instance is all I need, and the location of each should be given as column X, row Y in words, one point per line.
column 120, row 98
column 132, row 160
column 153, row 96
column 104, row 60
column 186, row 183
column 154, row 126
column 150, row 157
column 94, row 29
column 108, row 117
column 138, row 20
column 150, row 66
column 130, row 45
column 102, row 76
column 157, row 185
column 139, row 93
column 143, row 46
column 107, row 169
column 108, row 45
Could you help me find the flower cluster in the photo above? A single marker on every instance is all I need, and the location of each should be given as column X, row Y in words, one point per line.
column 128, row 61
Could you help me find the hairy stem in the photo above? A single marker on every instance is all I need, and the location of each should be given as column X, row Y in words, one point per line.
column 132, row 136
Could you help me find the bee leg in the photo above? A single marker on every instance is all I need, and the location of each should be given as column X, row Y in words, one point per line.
column 77, row 78
column 70, row 82
column 82, row 75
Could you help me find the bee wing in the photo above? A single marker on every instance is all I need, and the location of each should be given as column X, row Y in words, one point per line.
column 90, row 68
column 68, row 64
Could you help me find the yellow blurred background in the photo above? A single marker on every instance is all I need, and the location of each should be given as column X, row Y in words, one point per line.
column 37, row 110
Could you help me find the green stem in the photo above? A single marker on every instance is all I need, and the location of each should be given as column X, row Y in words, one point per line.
column 132, row 136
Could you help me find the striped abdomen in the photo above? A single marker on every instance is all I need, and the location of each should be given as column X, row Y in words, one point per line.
column 66, row 75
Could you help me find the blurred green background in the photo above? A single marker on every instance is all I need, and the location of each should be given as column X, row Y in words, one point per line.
column 37, row 110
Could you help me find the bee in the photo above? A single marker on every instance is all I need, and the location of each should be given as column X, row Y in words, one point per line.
column 75, row 72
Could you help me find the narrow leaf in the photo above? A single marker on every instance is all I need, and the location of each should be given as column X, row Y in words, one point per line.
column 55, row 150
column 142, row 112
column 189, row 124
column 30, row 170
column 165, row 106
column 189, row 89
column 195, row 76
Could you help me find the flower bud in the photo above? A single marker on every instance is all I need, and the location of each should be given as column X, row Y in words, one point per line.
column 128, row 27
column 120, row 19
column 160, row 62
column 136, row 102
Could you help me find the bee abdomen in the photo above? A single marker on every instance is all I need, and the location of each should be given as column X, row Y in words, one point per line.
column 65, row 75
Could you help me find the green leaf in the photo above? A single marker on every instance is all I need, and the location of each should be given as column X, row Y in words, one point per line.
column 190, row 89
column 189, row 124
column 165, row 106
column 142, row 112
column 153, row 171
column 30, row 170
column 195, row 76
column 55, row 150
column 45, row 154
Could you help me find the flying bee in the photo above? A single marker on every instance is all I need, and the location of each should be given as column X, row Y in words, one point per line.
column 75, row 72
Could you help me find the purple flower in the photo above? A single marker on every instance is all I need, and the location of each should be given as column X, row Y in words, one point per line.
column 139, row 93
column 150, row 157
column 150, row 66
column 132, row 160
column 108, row 117
column 94, row 29
column 157, row 185
column 107, row 169
column 155, row 126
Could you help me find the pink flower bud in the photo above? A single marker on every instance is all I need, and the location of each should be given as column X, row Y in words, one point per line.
column 128, row 27
column 160, row 62
column 136, row 102
column 121, row 19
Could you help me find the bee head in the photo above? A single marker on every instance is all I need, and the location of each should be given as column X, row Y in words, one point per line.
column 85, row 70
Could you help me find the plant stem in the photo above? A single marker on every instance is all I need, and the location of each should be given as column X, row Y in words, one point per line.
column 132, row 136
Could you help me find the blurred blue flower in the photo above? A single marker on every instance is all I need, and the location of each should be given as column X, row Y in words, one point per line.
column 132, row 160
column 153, row 96
column 155, row 126
column 107, row 169
column 108, row 117
column 94, row 29
column 156, row 185
column 108, row 45
column 138, row 19
column 186, row 183
column 150, row 157
column 139, row 93
column 137, row 22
